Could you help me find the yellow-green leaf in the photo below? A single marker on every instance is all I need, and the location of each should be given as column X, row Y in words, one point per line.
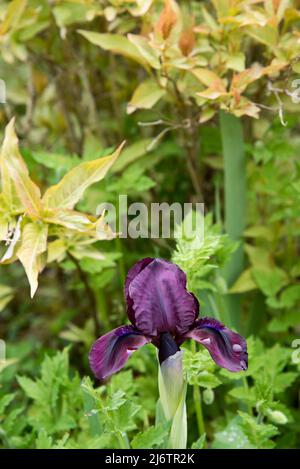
column 244, row 283
column 145, row 96
column 131, row 153
column 81, row 252
column 13, row 166
column 8, row 198
column 56, row 250
column 115, row 43
column 71, row 188
column 33, row 245
column 70, row 219
column 205, row 76
column 236, row 61
column 13, row 14
column 149, row 54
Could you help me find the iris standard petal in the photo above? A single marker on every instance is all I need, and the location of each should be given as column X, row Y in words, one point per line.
column 132, row 273
column 111, row 351
column 227, row 348
column 159, row 300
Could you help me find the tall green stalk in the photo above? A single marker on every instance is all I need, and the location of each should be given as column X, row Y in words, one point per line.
column 198, row 401
column 235, row 205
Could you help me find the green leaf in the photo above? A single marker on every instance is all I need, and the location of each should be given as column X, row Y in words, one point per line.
column 32, row 389
column 259, row 257
column 284, row 380
column 147, row 94
column 259, row 231
column 290, row 296
column 43, row 440
column 259, row 434
column 71, row 188
column 284, row 321
column 5, row 401
column 90, row 408
column 270, row 281
column 243, row 394
column 153, row 437
column 200, row 443
column 200, row 369
column 57, row 161
column 131, row 153
column 232, row 437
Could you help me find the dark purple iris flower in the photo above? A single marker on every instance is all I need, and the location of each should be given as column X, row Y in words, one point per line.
column 163, row 312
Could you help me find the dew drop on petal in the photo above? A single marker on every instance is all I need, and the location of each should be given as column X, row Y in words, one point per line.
column 205, row 341
column 237, row 348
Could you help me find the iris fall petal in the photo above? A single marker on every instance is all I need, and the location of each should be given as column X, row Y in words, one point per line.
column 227, row 348
column 111, row 351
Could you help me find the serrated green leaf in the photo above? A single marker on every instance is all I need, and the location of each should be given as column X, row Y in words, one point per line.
column 153, row 437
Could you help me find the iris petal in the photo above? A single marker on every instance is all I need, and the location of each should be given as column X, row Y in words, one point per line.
column 158, row 300
column 227, row 348
column 132, row 273
column 111, row 351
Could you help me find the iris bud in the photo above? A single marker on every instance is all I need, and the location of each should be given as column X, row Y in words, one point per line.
column 277, row 417
column 208, row 396
column 172, row 390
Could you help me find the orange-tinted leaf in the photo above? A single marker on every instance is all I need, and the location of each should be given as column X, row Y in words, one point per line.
column 187, row 41
column 166, row 21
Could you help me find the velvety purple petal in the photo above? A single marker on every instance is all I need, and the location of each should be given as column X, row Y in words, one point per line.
column 111, row 351
column 132, row 273
column 227, row 348
column 159, row 300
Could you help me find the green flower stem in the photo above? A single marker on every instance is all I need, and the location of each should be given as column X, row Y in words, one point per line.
column 122, row 439
column 198, row 408
column 245, row 382
column 198, row 401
